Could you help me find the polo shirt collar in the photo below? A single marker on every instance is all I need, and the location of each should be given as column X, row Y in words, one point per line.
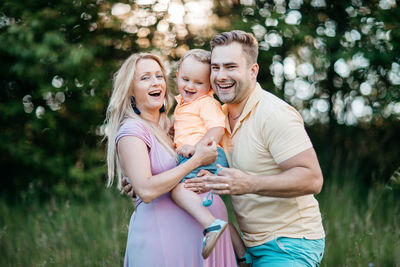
column 251, row 103
column 253, row 100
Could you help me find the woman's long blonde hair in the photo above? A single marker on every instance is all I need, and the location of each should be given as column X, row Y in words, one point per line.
column 119, row 109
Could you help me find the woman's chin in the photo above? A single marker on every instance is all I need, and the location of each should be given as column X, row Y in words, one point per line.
column 156, row 101
column 158, row 107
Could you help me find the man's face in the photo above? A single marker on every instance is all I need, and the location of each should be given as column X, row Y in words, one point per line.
column 232, row 78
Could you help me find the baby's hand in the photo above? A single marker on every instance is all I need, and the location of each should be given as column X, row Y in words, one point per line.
column 186, row 150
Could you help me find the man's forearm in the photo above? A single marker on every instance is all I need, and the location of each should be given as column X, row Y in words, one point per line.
column 301, row 175
column 294, row 182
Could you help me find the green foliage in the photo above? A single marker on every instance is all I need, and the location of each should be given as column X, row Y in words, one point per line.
column 353, row 48
column 58, row 57
column 56, row 69
column 363, row 35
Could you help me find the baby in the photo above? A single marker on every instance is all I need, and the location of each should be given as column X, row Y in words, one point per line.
column 198, row 116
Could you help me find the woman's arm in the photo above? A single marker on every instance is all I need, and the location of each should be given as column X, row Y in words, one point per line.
column 135, row 163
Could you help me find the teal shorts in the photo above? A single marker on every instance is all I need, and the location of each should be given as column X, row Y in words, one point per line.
column 284, row 251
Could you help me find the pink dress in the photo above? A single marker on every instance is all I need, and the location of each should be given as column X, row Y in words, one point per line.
column 160, row 232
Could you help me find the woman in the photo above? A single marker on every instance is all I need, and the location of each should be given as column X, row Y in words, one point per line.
column 160, row 233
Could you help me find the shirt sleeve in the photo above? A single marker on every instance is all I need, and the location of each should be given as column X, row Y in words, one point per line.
column 211, row 113
column 133, row 128
column 285, row 134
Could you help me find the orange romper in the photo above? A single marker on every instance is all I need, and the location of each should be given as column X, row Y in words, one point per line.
column 192, row 120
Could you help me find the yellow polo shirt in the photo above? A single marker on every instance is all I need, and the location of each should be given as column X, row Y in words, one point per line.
column 268, row 132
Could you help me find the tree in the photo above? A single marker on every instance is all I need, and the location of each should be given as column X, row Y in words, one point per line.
column 57, row 63
column 56, row 70
column 338, row 63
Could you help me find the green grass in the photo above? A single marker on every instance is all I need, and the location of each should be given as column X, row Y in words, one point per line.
column 66, row 233
column 362, row 226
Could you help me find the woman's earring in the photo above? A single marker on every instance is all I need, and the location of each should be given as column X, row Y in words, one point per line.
column 133, row 104
column 162, row 109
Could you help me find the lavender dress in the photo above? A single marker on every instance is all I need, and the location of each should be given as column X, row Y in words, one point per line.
column 160, row 232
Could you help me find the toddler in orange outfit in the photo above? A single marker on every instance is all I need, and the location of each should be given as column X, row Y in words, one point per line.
column 198, row 116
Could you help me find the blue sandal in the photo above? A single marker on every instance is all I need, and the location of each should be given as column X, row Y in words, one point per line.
column 208, row 200
column 211, row 236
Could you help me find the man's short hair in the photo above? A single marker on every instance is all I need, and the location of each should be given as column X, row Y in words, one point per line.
column 247, row 40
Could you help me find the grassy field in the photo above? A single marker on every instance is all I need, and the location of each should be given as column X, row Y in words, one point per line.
column 362, row 226
column 91, row 233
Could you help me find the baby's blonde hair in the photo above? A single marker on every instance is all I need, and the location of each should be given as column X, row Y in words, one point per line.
column 119, row 109
column 201, row 55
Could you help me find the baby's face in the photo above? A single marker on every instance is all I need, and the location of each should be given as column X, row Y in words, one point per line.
column 193, row 79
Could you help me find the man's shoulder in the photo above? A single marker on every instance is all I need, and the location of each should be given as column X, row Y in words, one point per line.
column 273, row 110
column 270, row 103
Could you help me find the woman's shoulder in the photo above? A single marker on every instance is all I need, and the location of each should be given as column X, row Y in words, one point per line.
column 132, row 127
column 130, row 123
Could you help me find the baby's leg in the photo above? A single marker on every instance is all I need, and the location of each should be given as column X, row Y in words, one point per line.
column 237, row 242
column 192, row 203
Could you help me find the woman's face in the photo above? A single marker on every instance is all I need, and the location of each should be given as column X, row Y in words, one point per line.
column 149, row 86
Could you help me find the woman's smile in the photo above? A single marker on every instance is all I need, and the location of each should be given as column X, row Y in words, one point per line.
column 150, row 85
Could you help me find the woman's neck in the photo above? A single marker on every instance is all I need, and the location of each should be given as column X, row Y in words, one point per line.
column 152, row 118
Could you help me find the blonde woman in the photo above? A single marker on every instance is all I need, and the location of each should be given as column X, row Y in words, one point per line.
column 160, row 233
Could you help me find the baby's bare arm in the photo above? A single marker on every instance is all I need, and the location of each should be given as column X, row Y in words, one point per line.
column 186, row 150
column 216, row 133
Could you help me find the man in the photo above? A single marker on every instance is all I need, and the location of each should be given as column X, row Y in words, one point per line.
column 274, row 171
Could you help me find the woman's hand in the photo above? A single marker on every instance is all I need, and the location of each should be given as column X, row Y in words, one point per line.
column 206, row 152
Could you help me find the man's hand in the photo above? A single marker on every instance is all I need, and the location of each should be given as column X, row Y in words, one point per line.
column 229, row 181
column 198, row 185
column 128, row 189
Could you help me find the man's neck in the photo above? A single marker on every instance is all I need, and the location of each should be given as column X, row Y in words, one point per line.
column 235, row 110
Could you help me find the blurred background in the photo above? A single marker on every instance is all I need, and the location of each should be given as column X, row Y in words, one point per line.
column 337, row 62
